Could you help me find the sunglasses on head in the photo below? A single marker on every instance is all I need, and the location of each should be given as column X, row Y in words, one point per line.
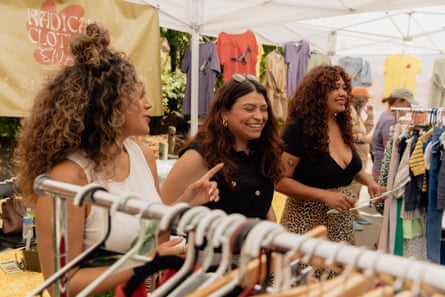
column 241, row 77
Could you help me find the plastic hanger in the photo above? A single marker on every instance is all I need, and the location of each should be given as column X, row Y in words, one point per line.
column 254, row 248
column 168, row 219
column 252, row 245
column 206, row 226
column 353, row 281
column 283, row 281
column 221, row 238
column 345, row 284
column 144, row 233
column 196, row 214
column 371, row 275
column 86, row 191
column 184, row 226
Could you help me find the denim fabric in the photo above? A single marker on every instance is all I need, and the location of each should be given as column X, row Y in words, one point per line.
column 414, row 186
column 434, row 215
column 441, row 185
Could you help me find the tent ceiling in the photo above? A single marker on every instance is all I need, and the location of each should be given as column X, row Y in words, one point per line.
column 359, row 26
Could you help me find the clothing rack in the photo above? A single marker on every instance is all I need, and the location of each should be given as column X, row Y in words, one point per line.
column 401, row 268
column 414, row 109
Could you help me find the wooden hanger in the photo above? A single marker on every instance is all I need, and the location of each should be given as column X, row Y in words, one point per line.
column 384, row 291
column 350, row 283
column 252, row 268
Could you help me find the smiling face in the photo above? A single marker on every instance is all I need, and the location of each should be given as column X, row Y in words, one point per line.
column 246, row 118
column 337, row 98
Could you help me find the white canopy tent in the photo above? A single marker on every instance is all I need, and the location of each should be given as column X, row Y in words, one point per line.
column 344, row 27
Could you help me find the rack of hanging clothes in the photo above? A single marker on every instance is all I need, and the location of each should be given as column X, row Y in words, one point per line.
column 412, row 217
column 264, row 248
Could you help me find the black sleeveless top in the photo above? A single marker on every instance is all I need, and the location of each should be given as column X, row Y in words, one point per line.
column 252, row 193
column 324, row 173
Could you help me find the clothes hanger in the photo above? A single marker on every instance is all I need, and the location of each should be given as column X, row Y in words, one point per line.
column 221, row 239
column 286, row 275
column 205, row 228
column 354, row 281
column 85, row 192
column 258, row 239
column 371, row 275
column 230, row 241
column 174, row 212
column 346, row 284
column 416, row 286
column 190, row 260
column 144, row 234
column 196, row 215
column 237, row 239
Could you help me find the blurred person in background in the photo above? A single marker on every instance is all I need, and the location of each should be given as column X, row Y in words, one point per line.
column 362, row 140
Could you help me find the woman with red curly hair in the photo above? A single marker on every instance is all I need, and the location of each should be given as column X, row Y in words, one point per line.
column 320, row 161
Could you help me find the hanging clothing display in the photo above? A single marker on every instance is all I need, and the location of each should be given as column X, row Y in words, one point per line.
column 412, row 223
column 275, row 82
column 400, row 71
column 318, row 59
column 296, row 55
column 238, row 53
column 436, row 96
column 358, row 69
column 209, row 68
column 262, row 249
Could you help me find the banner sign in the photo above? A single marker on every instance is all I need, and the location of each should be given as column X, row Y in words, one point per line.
column 35, row 37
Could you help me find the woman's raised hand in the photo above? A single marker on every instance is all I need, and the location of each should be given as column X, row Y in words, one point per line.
column 203, row 190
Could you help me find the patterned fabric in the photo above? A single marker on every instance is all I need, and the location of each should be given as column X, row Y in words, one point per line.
column 300, row 216
column 383, row 176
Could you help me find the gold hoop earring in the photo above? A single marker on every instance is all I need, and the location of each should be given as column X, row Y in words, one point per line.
column 224, row 122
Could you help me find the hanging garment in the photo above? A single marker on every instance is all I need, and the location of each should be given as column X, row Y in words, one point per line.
column 238, row 53
column 358, row 69
column 436, row 96
column 400, row 71
column 275, row 82
column 209, row 68
column 296, row 55
column 318, row 59
column 434, row 214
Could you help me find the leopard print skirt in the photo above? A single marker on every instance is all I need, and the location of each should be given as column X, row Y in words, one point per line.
column 300, row 216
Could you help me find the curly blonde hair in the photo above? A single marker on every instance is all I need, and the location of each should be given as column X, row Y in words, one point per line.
column 81, row 108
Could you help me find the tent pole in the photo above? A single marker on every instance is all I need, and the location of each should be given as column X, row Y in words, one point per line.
column 194, row 82
column 196, row 13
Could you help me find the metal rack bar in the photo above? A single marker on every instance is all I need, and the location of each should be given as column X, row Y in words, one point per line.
column 429, row 274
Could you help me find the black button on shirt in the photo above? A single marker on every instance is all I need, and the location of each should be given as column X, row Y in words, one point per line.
column 252, row 193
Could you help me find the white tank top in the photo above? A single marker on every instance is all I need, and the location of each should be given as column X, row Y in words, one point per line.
column 124, row 227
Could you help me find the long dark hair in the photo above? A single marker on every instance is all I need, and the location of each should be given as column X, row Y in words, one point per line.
column 217, row 142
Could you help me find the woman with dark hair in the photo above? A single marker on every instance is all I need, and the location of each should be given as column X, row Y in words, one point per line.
column 81, row 130
column 240, row 131
column 320, row 161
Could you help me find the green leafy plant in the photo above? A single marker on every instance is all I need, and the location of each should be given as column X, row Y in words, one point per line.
column 9, row 126
column 173, row 90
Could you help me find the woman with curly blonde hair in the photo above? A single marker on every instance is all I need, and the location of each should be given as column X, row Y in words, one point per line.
column 320, row 161
column 81, row 130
